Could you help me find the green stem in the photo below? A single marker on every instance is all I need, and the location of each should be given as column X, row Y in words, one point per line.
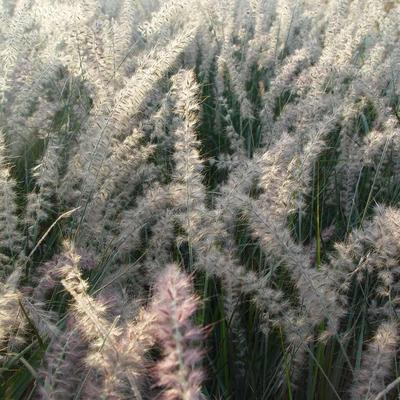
column 318, row 221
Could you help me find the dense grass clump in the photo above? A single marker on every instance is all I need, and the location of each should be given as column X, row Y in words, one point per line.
column 199, row 199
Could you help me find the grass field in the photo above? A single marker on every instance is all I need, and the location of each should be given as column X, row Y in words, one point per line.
column 200, row 199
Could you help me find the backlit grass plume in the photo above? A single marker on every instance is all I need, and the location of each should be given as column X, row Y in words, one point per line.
column 179, row 373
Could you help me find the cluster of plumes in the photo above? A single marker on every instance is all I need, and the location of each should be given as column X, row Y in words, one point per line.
column 104, row 347
column 155, row 133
